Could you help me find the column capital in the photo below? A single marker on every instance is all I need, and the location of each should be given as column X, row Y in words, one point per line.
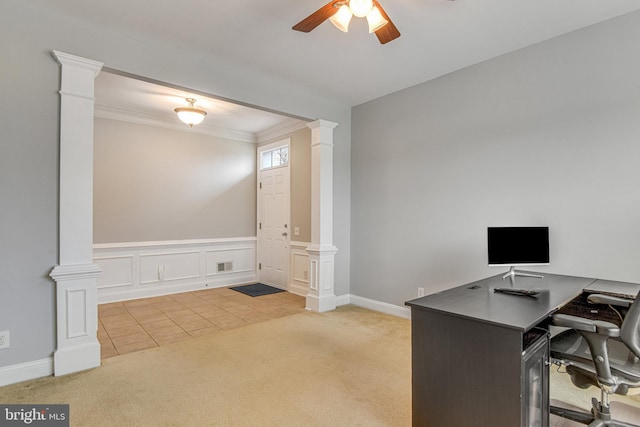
column 77, row 61
column 78, row 75
column 321, row 123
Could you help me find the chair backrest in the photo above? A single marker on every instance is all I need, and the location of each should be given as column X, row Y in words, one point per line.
column 630, row 331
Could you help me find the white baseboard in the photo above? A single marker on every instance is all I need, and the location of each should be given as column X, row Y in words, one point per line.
column 298, row 289
column 383, row 307
column 343, row 300
column 157, row 291
column 26, row 371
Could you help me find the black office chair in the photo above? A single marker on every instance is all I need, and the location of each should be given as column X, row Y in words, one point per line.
column 602, row 354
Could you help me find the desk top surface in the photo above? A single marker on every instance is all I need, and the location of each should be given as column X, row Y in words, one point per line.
column 609, row 287
column 477, row 300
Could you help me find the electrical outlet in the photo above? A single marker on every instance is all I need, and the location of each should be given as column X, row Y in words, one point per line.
column 420, row 292
column 4, row 339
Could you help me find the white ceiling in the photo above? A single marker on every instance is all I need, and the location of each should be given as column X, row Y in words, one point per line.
column 438, row 36
column 134, row 100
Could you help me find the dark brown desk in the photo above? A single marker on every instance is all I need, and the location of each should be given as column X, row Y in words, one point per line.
column 480, row 358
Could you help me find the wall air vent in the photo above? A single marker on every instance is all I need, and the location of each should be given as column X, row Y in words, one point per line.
column 225, row 266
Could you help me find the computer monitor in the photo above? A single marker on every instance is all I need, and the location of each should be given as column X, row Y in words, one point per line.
column 518, row 246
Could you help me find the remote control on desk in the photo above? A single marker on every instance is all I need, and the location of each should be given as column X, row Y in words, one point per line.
column 514, row 291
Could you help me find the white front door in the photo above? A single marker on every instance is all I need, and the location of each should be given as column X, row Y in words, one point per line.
column 273, row 214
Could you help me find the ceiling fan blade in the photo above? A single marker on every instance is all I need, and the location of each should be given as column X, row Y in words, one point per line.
column 316, row 18
column 388, row 32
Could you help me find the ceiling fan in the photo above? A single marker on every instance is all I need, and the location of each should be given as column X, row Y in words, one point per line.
column 339, row 12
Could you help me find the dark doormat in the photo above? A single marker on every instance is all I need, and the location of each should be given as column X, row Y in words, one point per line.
column 257, row 289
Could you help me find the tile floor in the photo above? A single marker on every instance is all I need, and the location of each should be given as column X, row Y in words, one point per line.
column 128, row 326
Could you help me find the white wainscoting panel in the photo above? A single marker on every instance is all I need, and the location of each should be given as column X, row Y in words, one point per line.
column 167, row 266
column 238, row 258
column 116, row 271
column 298, row 268
column 140, row 270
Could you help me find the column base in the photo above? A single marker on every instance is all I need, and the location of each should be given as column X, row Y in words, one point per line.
column 75, row 359
column 321, row 296
column 321, row 304
column 78, row 347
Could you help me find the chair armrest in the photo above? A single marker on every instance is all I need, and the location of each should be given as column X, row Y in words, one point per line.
column 596, row 333
column 586, row 325
column 607, row 299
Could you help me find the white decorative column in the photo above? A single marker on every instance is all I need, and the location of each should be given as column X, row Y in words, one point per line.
column 321, row 296
column 76, row 275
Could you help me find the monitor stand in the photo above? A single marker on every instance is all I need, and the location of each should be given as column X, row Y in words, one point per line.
column 513, row 273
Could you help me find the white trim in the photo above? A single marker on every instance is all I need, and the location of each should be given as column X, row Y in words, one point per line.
column 298, row 289
column 205, row 128
column 75, row 271
column 279, row 130
column 188, row 242
column 148, row 269
column 343, row 300
column 139, row 117
column 383, row 307
column 298, row 268
column 26, row 371
column 321, row 251
column 131, row 294
column 76, row 276
column 149, row 256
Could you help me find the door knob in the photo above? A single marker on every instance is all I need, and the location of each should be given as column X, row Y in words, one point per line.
column 284, row 234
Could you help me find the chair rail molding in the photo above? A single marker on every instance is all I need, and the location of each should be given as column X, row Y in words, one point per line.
column 321, row 296
column 76, row 275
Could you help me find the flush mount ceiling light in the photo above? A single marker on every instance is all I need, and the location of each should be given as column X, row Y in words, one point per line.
column 191, row 115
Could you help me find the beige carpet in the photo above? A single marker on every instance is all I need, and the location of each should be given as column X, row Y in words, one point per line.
column 349, row 367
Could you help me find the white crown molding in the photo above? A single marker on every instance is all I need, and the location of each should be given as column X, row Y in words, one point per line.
column 138, row 117
column 280, row 130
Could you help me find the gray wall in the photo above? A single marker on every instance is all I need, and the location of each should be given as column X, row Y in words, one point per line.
column 29, row 148
column 300, row 171
column 549, row 135
column 154, row 184
column 28, row 192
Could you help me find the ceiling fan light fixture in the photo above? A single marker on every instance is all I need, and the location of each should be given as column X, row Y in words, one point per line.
column 342, row 18
column 340, row 12
column 190, row 115
column 376, row 20
column 360, row 8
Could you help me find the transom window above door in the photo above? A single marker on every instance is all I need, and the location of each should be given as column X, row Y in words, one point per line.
column 275, row 158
